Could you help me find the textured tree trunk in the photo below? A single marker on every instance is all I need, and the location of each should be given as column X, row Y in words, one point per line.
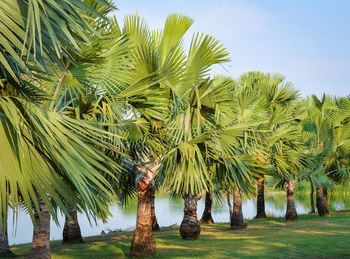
column 260, row 200
column 71, row 230
column 320, row 204
column 291, row 213
column 237, row 221
column 206, row 217
column 190, row 227
column 229, row 205
column 4, row 241
column 41, row 234
column 143, row 243
column 155, row 226
column 312, row 195
column 325, row 198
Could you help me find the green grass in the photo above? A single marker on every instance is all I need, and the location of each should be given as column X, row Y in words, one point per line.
column 310, row 237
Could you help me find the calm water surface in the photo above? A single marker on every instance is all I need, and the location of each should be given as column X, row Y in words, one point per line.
column 168, row 212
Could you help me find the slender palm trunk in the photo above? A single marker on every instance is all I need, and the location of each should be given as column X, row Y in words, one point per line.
column 237, row 221
column 206, row 217
column 190, row 227
column 291, row 212
column 41, row 234
column 143, row 243
column 312, row 195
column 229, row 205
column 260, row 199
column 155, row 226
column 4, row 241
column 71, row 230
column 320, row 203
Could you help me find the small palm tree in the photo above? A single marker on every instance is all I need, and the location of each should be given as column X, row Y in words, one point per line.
column 326, row 133
column 240, row 169
column 277, row 98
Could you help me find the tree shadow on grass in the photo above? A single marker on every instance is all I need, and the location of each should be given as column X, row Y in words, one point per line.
column 271, row 238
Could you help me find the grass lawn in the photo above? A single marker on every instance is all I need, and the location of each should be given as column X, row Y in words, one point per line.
column 310, row 237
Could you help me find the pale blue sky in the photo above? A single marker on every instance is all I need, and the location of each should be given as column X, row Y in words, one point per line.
column 308, row 41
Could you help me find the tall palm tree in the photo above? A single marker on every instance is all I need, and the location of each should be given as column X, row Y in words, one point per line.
column 68, row 152
column 161, row 57
column 79, row 89
column 162, row 73
column 156, row 65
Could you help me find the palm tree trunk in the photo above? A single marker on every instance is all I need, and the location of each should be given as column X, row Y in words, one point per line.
column 155, row 226
column 206, row 217
column 143, row 243
column 325, row 198
column 237, row 221
column 71, row 230
column 260, row 200
column 312, row 195
column 291, row 213
column 320, row 204
column 41, row 234
column 4, row 241
column 4, row 244
column 190, row 227
column 229, row 205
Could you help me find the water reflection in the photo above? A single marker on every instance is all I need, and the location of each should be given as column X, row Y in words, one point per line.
column 169, row 212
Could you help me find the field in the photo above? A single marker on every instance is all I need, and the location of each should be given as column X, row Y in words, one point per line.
column 310, row 236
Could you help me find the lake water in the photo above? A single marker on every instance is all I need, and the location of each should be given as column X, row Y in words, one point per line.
column 168, row 212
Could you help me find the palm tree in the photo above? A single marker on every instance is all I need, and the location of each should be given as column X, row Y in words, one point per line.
column 156, row 66
column 316, row 128
column 209, row 136
column 97, row 72
column 248, row 116
column 71, row 229
column 337, row 154
column 60, row 145
column 190, row 122
column 249, row 113
column 191, row 129
column 160, row 59
column 207, row 217
column 276, row 97
column 291, row 212
column 237, row 221
column 140, row 97
column 288, row 158
column 326, row 132
column 283, row 143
